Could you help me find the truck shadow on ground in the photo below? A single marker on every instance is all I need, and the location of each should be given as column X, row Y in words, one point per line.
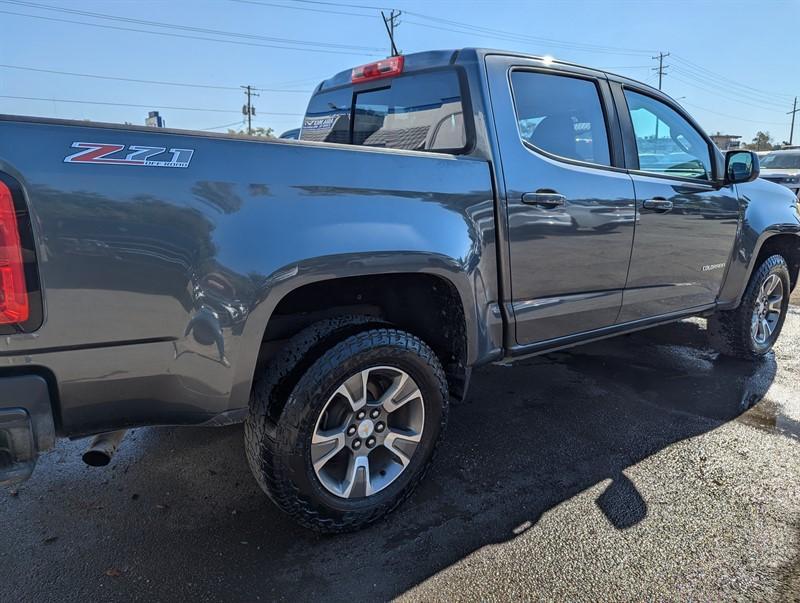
column 527, row 439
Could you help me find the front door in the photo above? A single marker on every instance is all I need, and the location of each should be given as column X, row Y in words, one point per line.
column 569, row 202
column 686, row 224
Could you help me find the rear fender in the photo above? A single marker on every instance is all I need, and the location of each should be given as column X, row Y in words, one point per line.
column 483, row 324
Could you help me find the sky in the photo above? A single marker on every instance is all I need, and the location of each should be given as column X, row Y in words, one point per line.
column 733, row 64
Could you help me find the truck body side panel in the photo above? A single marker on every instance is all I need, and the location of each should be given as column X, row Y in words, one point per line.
column 158, row 282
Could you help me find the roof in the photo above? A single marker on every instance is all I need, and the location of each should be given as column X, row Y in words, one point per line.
column 438, row 58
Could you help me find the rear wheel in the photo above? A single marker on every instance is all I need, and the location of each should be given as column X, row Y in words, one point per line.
column 357, row 432
column 752, row 329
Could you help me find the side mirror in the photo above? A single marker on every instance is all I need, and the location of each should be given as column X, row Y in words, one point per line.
column 741, row 166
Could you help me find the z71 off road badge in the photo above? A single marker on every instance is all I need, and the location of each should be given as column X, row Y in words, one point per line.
column 114, row 154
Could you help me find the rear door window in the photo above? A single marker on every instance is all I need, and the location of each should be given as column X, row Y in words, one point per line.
column 420, row 112
column 561, row 115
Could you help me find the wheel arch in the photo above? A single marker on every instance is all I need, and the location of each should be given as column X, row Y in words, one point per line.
column 783, row 240
column 300, row 294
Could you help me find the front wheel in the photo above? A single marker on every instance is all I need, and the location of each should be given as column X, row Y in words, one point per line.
column 357, row 433
column 752, row 329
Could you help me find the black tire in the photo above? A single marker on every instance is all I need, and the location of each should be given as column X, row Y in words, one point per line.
column 730, row 332
column 278, row 432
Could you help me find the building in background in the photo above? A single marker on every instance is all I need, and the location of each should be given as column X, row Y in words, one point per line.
column 154, row 120
column 726, row 141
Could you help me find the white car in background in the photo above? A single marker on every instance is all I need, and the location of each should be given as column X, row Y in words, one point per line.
column 782, row 167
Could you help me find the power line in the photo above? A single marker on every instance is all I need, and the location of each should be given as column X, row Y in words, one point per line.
column 469, row 28
column 725, row 96
column 755, row 121
column 722, row 90
column 128, row 79
column 707, row 73
column 189, row 28
column 304, row 8
column 508, row 35
column 690, row 68
column 518, row 38
column 184, row 36
column 719, row 86
column 626, row 67
column 150, row 106
column 364, row 6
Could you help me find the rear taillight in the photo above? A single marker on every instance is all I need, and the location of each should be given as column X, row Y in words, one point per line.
column 374, row 71
column 14, row 305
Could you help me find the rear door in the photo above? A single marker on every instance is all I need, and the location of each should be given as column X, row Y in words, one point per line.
column 686, row 223
column 569, row 201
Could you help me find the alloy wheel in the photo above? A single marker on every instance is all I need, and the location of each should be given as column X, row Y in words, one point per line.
column 367, row 432
column 767, row 312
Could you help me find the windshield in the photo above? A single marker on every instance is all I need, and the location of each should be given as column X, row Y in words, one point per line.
column 781, row 161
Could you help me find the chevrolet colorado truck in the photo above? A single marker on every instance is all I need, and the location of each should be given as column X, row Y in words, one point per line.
column 440, row 211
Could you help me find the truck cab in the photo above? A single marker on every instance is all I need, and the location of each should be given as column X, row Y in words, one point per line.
column 440, row 211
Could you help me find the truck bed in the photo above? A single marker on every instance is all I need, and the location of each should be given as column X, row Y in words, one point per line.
column 158, row 280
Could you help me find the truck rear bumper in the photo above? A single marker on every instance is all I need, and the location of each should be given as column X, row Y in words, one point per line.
column 26, row 426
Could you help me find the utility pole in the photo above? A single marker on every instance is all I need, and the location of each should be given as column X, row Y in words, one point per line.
column 792, row 113
column 248, row 109
column 661, row 67
column 390, row 23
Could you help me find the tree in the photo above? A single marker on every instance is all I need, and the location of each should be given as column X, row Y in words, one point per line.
column 265, row 132
column 761, row 142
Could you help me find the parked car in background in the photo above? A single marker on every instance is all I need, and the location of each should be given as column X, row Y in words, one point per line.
column 292, row 134
column 782, row 167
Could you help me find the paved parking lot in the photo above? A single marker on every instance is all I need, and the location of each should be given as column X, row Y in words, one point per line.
column 643, row 467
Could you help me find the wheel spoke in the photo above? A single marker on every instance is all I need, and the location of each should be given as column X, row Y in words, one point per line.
column 325, row 445
column 394, row 437
column 355, row 389
column 754, row 326
column 771, row 283
column 399, row 393
column 358, row 481
column 775, row 303
column 766, row 328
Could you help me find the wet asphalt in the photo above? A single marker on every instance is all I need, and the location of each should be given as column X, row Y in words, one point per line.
column 642, row 467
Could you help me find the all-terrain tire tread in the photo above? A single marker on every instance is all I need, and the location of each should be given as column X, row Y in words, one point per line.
column 264, row 446
column 273, row 387
column 729, row 331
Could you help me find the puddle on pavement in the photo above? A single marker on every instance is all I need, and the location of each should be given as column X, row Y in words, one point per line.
column 767, row 416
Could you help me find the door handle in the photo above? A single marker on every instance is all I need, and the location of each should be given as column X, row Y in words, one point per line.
column 662, row 205
column 544, row 199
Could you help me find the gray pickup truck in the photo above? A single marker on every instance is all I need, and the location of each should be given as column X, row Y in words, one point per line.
column 441, row 210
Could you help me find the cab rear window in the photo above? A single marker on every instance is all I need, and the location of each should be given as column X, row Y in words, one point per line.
column 420, row 112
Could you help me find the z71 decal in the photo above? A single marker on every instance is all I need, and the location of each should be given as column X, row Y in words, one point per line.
column 111, row 154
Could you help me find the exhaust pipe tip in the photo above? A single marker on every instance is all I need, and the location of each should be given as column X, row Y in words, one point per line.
column 103, row 448
column 96, row 458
